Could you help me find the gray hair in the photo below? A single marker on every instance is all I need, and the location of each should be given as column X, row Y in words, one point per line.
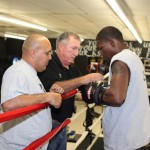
column 64, row 37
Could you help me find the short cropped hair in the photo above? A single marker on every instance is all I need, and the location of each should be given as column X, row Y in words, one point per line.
column 108, row 33
column 64, row 37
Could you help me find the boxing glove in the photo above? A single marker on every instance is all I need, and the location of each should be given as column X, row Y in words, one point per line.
column 95, row 92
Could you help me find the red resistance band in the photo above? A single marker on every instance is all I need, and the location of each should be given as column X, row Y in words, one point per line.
column 37, row 144
column 10, row 115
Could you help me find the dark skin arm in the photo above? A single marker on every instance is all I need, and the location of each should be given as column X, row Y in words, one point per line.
column 116, row 94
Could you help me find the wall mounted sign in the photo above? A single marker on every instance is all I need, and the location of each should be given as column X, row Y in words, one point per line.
column 88, row 48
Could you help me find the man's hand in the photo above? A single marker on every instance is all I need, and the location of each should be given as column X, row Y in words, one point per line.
column 54, row 99
column 57, row 89
column 92, row 77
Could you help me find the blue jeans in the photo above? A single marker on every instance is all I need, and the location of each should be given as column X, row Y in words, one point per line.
column 59, row 141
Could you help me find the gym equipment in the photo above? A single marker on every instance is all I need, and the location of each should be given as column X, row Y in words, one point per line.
column 95, row 92
column 29, row 109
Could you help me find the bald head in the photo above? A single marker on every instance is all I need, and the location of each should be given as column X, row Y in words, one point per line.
column 33, row 42
column 36, row 50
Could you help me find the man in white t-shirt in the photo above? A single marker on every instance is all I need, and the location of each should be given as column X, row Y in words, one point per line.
column 126, row 120
column 21, row 87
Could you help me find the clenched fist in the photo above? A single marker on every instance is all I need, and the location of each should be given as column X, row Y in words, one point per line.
column 54, row 99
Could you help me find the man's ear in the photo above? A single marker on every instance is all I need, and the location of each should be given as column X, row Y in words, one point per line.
column 112, row 43
column 33, row 53
column 60, row 46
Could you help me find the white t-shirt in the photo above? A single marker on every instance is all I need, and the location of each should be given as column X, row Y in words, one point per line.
column 19, row 79
column 128, row 127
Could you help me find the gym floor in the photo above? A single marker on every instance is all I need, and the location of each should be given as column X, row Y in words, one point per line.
column 77, row 124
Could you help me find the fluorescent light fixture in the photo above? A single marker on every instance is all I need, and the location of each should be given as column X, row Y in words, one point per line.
column 81, row 39
column 124, row 18
column 22, row 23
column 7, row 35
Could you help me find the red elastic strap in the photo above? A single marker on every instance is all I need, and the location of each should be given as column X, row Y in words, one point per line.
column 21, row 112
column 41, row 141
column 29, row 109
column 69, row 94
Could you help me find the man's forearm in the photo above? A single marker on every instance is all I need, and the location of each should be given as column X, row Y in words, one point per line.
column 23, row 101
column 70, row 84
column 76, row 82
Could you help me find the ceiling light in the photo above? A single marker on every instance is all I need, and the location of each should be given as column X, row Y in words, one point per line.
column 81, row 39
column 7, row 35
column 22, row 23
column 124, row 18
